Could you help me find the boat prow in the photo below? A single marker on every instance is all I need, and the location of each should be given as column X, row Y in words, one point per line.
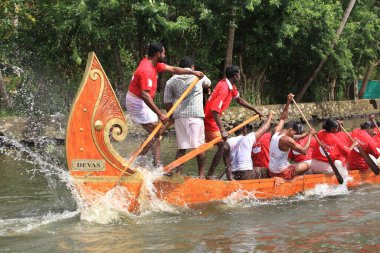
column 95, row 118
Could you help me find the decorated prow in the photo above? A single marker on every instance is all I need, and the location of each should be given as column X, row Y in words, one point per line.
column 96, row 117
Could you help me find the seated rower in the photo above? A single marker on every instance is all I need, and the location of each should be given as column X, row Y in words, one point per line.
column 240, row 147
column 301, row 138
column 363, row 136
column 260, row 153
column 334, row 146
column 282, row 141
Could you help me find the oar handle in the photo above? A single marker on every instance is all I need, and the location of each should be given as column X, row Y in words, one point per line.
column 374, row 122
column 303, row 116
column 345, row 131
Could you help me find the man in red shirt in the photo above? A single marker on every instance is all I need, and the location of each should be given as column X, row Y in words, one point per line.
column 217, row 103
column 369, row 145
column 139, row 99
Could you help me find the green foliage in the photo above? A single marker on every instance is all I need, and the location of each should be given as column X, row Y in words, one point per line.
column 278, row 43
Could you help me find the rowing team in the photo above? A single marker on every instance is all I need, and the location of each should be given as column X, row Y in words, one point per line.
column 194, row 125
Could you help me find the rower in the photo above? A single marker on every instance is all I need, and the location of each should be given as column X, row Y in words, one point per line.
column 301, row 138
column 218, row 102
column 142, row 89
column 363, row 136
column 240, row 152
column 260, row 153
column 334, row 146
column 282, row 141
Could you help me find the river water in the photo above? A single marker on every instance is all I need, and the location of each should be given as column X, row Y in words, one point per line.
column 40, row 212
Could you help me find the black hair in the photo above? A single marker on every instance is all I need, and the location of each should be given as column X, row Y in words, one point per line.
column 186, row 62
column 155, row 47
column 296, row 126
column 367, row 124
column 231, row 70
column 330, row 124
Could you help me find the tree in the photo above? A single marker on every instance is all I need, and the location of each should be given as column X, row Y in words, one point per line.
column 322, row 62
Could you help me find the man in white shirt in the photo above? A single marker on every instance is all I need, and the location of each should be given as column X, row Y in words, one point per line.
column 240, row 152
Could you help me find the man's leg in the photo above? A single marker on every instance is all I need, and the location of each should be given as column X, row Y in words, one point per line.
column 155, row 144
column 201, row 160
column 227, row 160
column 302, row 168
column 180, row 153
column 215, row 161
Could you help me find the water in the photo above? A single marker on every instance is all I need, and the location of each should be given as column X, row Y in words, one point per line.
column 40, row 212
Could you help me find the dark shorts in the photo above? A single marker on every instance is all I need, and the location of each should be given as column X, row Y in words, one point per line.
column 256, row 173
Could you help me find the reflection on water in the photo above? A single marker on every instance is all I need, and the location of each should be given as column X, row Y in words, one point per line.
column 39, row 212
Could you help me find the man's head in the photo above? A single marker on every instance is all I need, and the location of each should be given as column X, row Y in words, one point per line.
column 331, row 125
column 233, row 73
column 186, row 62
column 291, row 128
column 156, row 49
column 369, row 126
column 241, row 131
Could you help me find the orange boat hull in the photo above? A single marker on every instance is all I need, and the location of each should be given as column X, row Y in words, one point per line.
column 96, row 120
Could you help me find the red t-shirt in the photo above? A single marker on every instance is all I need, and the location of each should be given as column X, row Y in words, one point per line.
column 260, row 151
column 332, row 144
column 145, row 78
column 369, row 145
column 377, row 136
column 218, row 101
column 298, row 157
column 342, row 136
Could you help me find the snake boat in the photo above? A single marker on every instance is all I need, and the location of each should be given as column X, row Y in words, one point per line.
column 97, row 120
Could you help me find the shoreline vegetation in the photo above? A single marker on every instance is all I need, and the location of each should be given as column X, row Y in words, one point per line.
column 317, row 50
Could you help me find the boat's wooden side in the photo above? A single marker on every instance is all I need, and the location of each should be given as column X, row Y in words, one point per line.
column 187, row 190
column 95, row 165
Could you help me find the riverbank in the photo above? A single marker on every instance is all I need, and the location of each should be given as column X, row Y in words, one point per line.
column 31, row 131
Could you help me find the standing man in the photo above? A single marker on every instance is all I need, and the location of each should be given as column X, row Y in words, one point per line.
column 217, row 103
column 282, row 141
column 139, row 99
column 188, row 117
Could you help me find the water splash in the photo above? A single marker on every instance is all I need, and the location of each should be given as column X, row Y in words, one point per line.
column 114, row 205
column 241, row 198
column 24, row 225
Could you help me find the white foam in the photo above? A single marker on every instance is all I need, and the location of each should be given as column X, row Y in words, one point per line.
column 23, row 225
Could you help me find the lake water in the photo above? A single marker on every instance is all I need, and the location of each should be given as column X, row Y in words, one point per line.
column 39, row 212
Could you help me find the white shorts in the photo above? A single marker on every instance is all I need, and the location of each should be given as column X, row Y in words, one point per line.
column 138, row 111
column 325, row 168
column 190, row 132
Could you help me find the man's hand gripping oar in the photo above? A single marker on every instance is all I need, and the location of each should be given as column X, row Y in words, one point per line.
column 334, row 168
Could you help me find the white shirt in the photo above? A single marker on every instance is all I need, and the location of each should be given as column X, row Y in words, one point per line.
column 241, row 147
column 278, row 159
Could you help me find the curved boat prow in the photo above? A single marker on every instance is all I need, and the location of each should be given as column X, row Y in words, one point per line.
column 96, row 117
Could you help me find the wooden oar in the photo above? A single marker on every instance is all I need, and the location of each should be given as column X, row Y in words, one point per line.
column 363, row 154
column 334, row 168
column 204, row 147
column 154, row 132
column 377, row 127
